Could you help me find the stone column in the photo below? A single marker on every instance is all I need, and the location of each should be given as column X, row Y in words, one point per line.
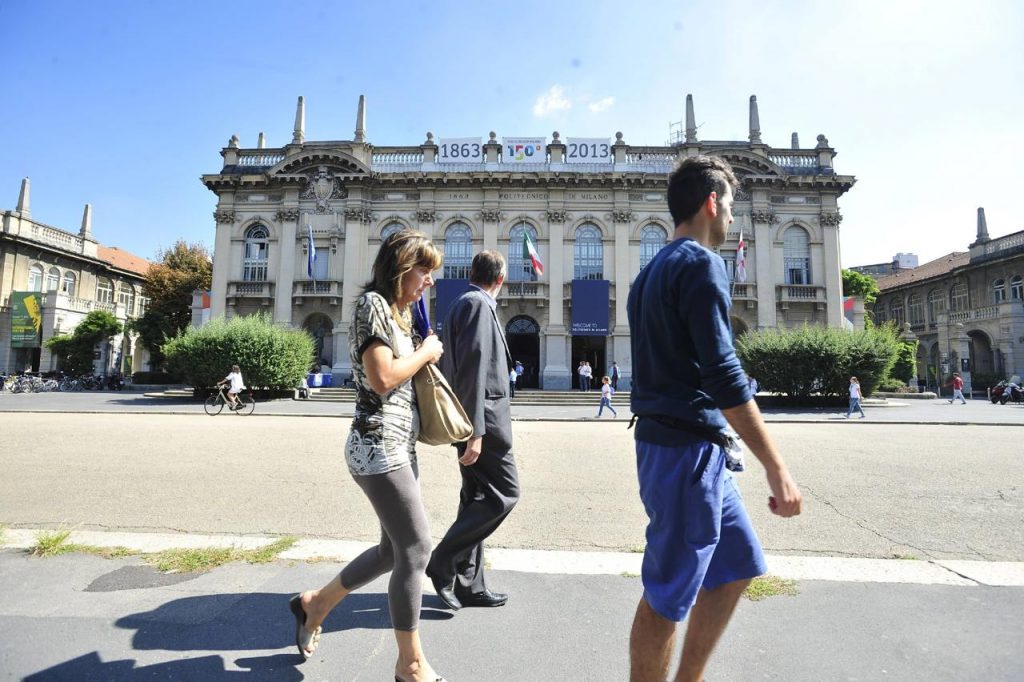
column 555, row 375
column 963, row 342
column 285, row 280
column 223, row 265
column 620, row 346
column 767, row 315
column 833, row 276
column 356, row 269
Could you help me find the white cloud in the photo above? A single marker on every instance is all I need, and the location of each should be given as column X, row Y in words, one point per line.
column 552, row 100
column 600, row 105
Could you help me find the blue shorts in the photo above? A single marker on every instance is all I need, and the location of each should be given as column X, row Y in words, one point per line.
column 699, row 534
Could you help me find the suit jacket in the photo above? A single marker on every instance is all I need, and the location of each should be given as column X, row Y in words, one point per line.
column 476, row 362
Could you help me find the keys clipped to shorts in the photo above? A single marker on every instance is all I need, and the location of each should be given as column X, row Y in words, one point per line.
column 733, row 453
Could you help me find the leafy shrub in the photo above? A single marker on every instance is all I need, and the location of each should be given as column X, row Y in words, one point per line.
column 270, row 356
column 75, row 351
column 891, row 384
column 817, row 360
column 145, row 378
column 904, row 367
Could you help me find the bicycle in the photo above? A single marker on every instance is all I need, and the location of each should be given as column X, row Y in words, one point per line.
column 215, row 403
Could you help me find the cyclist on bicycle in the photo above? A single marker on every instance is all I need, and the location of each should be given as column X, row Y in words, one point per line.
column 237, row 385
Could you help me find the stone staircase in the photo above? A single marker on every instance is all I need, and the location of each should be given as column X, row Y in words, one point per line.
column 523, row 397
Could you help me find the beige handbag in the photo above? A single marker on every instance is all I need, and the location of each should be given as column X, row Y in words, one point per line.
column 442, row 419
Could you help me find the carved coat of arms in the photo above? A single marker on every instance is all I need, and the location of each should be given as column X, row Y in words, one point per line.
column 323, row 187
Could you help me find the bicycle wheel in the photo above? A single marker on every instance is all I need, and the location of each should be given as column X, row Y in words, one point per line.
column 213, row 405
column 246, row 404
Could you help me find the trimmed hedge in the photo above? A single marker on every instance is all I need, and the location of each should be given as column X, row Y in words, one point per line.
column 810, row 361
column 271, row 357
column 155, row 378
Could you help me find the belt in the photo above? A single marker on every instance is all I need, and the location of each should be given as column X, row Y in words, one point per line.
column 719, row 438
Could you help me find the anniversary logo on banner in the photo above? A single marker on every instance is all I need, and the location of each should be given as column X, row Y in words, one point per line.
column 26, row 319
column 523, row 149
column 460, row 150
column 590, row 307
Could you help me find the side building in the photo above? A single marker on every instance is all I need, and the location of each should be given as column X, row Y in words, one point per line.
column 966, row 309
column 51, row 279
column 595, row 209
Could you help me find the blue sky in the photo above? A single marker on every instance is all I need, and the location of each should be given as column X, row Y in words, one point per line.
column 125, row 104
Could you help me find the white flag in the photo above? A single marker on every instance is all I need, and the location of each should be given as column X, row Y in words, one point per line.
column 741, row 259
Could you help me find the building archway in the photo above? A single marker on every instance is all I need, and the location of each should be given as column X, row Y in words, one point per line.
column 321, row 328
column 981, row 352
column 523, row 335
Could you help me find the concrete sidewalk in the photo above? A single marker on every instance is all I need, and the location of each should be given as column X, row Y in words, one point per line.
column 79, row 617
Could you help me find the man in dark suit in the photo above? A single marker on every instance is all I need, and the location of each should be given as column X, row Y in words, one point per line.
column 477, row 363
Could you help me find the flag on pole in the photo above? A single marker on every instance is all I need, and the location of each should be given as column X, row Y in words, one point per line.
column 741, row 259
column 311, row 259
column 530, row 251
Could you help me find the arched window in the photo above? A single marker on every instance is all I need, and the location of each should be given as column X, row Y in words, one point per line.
column 104, row 291
column 520, row 267
column 652, row 240
column 35, row 278
column 390, row 229
column 588, row 253
column 915, row 309
column 52, row 279
column 936, row 305
column 1016, row 288
column 126, row 297
column 999, row 291
column 70, row 284
column 796, row 253
column 881, row 313
column 257, row 247
column 458, row 251
column 143, row 305
column 958, row 298
column 896, row 313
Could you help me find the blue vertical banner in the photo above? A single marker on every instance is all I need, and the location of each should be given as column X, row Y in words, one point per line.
column 446, row 291
column 590, row 307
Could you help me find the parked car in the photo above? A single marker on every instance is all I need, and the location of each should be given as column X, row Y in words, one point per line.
column 1006, row 391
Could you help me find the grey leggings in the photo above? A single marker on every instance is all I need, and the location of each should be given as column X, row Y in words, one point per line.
column 404, row 547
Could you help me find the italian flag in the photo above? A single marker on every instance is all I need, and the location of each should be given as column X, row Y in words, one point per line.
column 530, row 251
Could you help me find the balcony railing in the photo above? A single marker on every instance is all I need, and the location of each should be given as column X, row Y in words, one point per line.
column 746, row 291
column 800, row 293
column 259, row 159
column 524, row 291
column 328, row 289
column 263, row 292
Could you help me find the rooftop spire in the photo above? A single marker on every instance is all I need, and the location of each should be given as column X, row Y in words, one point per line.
column 299, row 134
column 691, row 120
column 755, row 122
column 261, row 143
column 86, row 231
column 982, row 228
column 361, row 120
column 23, row 199
column 795, row 141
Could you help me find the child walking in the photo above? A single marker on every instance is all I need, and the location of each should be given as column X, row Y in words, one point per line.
column 606, row 397
column 855, row 397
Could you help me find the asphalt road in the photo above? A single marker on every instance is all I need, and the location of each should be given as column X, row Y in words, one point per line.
column 872, row 490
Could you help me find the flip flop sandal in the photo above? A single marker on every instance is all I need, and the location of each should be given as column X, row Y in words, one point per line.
column 304, row 639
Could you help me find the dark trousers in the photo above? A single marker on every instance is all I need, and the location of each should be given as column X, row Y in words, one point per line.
column 511, row 389
column 490, row 489
column 615, row 382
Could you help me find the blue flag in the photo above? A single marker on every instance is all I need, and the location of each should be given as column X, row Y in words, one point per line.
column 312, row 252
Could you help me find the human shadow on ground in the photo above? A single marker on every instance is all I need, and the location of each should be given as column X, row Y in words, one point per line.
column 280, row 667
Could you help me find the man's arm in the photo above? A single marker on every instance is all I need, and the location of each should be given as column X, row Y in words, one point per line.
column 785, row 499
column 472, row 327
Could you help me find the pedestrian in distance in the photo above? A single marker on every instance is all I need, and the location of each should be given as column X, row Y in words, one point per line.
column 513, row 376
column 476, row 364
column 753, row 385
column 615, row 376
column 606, row 397
column 385, row 353
column 855, row 398
column 958, row 389
column 687, row 384
column 235, row 385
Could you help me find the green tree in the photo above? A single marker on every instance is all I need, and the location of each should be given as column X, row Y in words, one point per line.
column 75, row 351
column 905, row 366
column 856, row 284
column 169, row 285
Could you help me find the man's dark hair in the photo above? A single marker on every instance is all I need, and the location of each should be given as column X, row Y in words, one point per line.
column 487, row 268
column 690, row 184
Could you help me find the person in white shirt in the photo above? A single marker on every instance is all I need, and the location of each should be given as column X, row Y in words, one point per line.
column 236, row 385
column 606, row 397
column 855, row 396
column 512, row 376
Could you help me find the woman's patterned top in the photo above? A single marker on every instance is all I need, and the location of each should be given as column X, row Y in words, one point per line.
column 385, row 427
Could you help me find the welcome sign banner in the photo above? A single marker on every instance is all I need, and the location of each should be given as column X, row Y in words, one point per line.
column 26, row 319
column 523, row 149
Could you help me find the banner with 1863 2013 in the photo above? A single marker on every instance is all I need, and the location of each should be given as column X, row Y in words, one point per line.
column 26, row 319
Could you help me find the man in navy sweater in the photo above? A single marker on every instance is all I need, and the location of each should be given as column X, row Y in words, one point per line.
column 687, row 383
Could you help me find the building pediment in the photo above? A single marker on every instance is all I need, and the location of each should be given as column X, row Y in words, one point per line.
column 745, row 162
column 307, row 161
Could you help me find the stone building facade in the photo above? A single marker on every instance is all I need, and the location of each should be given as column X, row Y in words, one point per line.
column 966, row 309
column 596, row 210
column 72, row 275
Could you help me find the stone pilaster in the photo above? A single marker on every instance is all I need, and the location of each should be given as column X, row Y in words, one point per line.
column 285, row 280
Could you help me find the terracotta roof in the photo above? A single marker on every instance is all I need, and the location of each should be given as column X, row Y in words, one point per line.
column 939, row 266
column 123, row 259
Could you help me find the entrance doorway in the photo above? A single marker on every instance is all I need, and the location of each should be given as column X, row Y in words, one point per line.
column 321, row 328
column 523, row 336
column 591, row 349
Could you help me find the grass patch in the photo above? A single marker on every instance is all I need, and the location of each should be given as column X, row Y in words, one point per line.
column 905, row 557
column 3, row 534
column 51, row 543
column 637, row 549
column 627, row 574
column 208, row 558
column 117, row 552
column 769, row 586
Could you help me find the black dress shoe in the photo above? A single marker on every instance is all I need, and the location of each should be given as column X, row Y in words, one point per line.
column 445, row 592
column 485, row 598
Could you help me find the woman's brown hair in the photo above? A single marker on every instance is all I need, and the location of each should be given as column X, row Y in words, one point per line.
column 399, row 254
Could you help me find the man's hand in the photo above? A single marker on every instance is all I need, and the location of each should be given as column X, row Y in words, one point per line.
column 785, row 500
column 472, row 453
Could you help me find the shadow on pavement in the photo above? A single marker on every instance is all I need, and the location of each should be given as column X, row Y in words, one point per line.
column 91, row 667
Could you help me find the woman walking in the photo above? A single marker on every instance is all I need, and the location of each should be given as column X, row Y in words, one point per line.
column 855, row 397
column 381, row 450
column 606, row 397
